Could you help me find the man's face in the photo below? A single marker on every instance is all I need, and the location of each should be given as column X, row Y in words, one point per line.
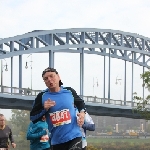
column 2, row 121
column 51, row 79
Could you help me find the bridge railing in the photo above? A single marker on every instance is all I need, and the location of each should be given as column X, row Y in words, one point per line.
column 89, row 99
column 18, row 91
column 109, row 101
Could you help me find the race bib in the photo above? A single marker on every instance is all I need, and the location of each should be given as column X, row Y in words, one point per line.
column 44, row 138
column 59, row 118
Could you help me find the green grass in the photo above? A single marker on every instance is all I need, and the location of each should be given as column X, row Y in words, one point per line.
column 112, row 140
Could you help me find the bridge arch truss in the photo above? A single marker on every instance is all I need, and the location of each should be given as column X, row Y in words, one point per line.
column 129, row 47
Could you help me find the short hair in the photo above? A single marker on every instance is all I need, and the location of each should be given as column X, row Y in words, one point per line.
column 48, row 69
column 1, row 115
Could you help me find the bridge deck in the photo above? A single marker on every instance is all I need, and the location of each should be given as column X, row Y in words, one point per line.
column 23, row 99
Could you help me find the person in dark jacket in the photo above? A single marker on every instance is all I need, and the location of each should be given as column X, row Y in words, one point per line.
column 38, row 135
column 5, row 134
column 57, row 103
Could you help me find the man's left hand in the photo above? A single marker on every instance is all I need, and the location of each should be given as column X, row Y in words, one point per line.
column 80, row 119
column 13, row 145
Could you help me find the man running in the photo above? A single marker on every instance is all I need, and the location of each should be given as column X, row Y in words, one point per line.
column 57, row 103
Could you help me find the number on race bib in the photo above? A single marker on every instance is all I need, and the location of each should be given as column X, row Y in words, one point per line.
column 60, row 117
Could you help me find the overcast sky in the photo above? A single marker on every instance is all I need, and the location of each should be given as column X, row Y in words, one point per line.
column 21, row 16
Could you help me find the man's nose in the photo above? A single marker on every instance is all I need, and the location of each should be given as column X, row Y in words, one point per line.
column 49, row 79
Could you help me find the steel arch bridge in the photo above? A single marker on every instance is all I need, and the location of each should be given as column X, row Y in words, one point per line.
column 126, row 46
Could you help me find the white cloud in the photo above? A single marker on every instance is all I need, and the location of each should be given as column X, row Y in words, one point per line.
column 18, row 17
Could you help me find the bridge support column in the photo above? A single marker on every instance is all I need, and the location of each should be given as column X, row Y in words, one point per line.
column 125, row 77
column 82, row 40
column 11, row 50
column 1, row 46
column 132, row 79
column 110, row 40
column 143, row 82
column 81, row 72
column 20, row 72
column 143, row 47
column 104, row 76
column 51, row 59
column 20, row 69
column 109, row 79
column 51, row 53
column 2, row 76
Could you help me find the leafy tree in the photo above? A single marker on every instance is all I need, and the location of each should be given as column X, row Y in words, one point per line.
column 143, row 105
column 19, row 124
column 20, row 120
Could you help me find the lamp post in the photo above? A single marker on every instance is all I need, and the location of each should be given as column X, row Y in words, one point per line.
column 26, row 66
column 118, row 81
column 6, row 69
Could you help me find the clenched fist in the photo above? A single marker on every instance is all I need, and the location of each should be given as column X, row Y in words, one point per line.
column 48, row 104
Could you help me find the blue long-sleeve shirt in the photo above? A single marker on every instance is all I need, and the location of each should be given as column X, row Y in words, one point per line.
column 61, row 118
column 38, row 135
column 38, row 110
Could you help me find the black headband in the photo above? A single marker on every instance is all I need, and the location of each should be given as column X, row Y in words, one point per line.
column 49, row 70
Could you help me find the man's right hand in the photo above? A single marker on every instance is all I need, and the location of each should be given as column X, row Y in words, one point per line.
column 48, row 104
column 13, row 145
